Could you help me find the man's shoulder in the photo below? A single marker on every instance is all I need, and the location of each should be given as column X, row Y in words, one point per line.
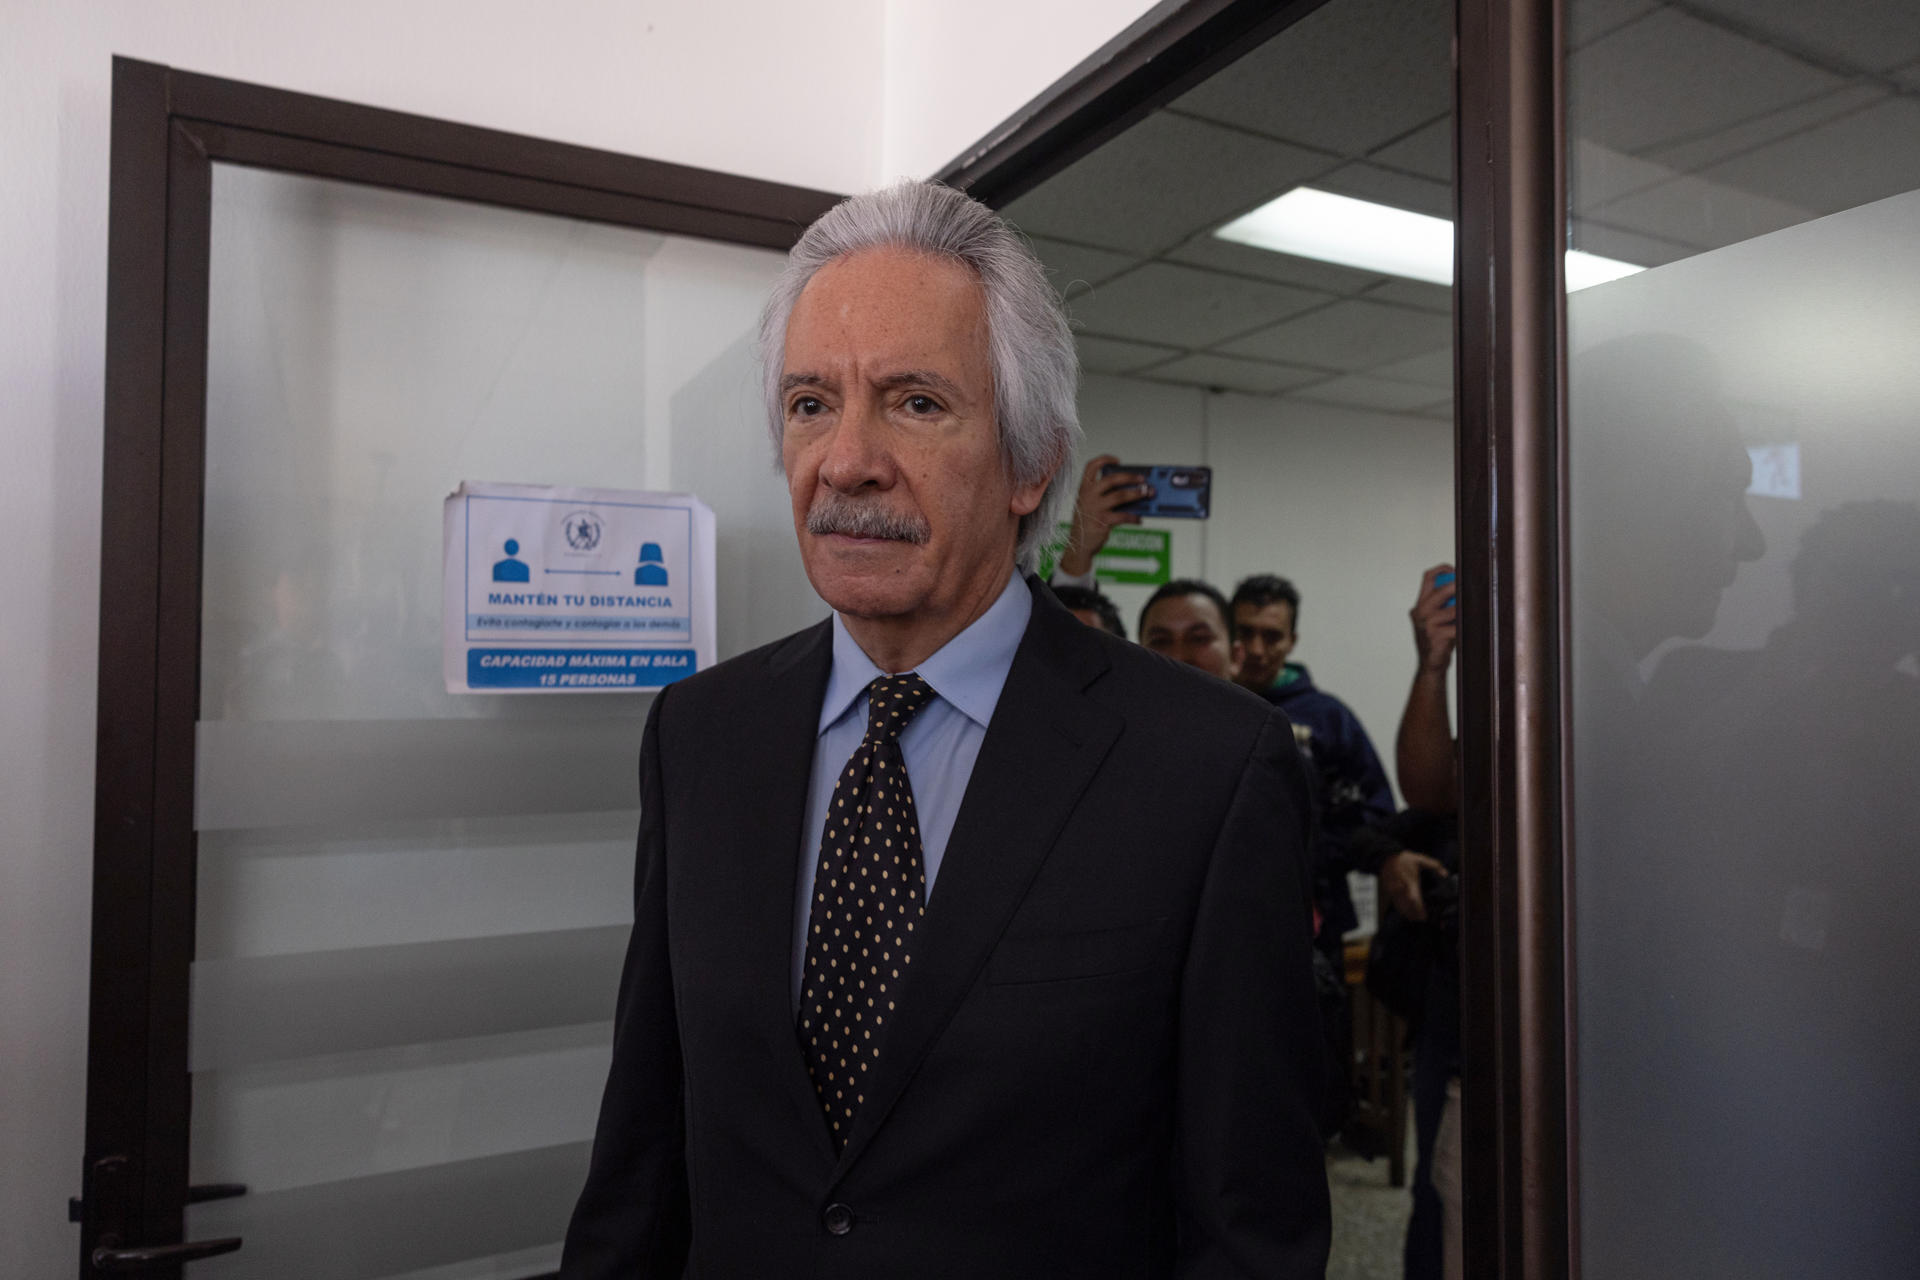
column 1155, row 690
column 757, row 672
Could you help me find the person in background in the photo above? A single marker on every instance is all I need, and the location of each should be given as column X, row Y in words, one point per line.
column 1424, row 749
column 1096, row 510
column 1350, row 786
column 1188, row 620
column 1092, row 608
column 1417, row 859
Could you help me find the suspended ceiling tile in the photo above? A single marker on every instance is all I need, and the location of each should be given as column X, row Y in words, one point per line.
column 1386, row 186
column 1433, row 369
column 1627, row 246
column 1872, row 36
column 1350, row 335
column 1669, row 77
column 1587, row 20
column 1700, row 212
column 1686, row 157
column 1363, row 391
column 1414, row 293
column 1230, row 373
column 1159, row 183
column 1840, row 165
column 1597, row 174
column 1427, row 151
column 1111, row 355
column 1185, row 306
column 1073, row 268
column 1208, row 250
column 1349, row 77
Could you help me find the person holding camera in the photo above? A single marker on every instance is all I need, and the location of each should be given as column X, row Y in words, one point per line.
column 1414, row 968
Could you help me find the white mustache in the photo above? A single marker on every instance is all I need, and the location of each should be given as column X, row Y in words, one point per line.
column 854, row 518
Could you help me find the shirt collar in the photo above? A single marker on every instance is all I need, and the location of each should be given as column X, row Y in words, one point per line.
column 968, row 671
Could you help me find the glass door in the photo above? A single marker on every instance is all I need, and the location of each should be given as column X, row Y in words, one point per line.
column 412, row 904
column 363, row 1022
column 1745, row 523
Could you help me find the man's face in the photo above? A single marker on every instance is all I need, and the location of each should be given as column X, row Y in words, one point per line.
column 1190, row 629
column 1090, row 617
column 901, row 502
column 1265, row 633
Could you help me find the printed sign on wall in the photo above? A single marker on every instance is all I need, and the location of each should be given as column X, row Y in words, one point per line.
column 550, row 590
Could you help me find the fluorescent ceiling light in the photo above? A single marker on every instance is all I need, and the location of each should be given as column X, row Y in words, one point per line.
column 1375, row 237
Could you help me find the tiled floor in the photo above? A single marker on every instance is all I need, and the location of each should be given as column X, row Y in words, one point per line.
column 1369, row 1217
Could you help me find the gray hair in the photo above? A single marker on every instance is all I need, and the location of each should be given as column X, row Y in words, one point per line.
column 1035, row 367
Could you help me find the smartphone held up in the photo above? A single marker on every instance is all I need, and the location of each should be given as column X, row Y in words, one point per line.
column 1178, row 492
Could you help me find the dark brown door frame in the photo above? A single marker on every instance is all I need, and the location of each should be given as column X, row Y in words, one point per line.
column 1171, row 48
column 1510, row 353
column 169, row 127
column 1510, row 513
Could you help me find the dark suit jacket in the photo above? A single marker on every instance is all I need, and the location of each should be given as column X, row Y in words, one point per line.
column 1107, row 1055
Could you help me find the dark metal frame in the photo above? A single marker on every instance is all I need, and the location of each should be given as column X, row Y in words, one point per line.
column 169, row 127
column 1510, row 473
column 1510, row 362
column 1172, row 48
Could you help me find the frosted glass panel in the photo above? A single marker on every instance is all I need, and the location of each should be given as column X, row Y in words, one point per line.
column 1745, row 502
column 280, row 892
column 412, row 905
column 492, row 1217
column 342, row 1116
column 281, row 773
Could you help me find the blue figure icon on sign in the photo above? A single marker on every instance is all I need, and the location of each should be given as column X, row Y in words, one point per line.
column 653, row 569
column 510, row 569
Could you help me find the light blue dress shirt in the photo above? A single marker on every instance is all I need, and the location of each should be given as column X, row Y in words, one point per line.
column 940, row 746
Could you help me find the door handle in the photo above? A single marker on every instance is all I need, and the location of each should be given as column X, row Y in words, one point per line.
column 110, row 1256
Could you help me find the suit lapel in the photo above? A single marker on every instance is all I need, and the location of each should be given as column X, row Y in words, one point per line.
column 1040, row 752
column 776, row 759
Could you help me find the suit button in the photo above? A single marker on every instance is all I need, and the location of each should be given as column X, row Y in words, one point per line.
column 838, row 1219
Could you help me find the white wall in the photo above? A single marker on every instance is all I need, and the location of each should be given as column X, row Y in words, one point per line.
column 1351, row 505
column 995, row 54
column 798, row 93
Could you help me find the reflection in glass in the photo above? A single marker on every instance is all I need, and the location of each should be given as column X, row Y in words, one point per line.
column 1744, row 454
column 412, row 905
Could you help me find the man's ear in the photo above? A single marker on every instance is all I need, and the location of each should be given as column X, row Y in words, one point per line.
column 1236, row 658
column 1027, row 497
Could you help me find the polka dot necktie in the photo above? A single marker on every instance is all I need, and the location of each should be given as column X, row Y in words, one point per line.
column 869, row 891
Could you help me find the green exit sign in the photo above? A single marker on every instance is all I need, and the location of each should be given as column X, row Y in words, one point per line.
column 1136, row 556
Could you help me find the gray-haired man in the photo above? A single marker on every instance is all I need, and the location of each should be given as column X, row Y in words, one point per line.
column 968, row 941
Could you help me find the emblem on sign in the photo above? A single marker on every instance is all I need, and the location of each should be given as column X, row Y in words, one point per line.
column 583, row 531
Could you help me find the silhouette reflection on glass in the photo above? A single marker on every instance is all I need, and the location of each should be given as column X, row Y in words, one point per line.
column 1798, row 760
column 1744, row 848
column 290, row 660
column 1660, row 529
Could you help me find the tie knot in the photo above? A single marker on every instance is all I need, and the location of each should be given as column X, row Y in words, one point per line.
column 892, row 703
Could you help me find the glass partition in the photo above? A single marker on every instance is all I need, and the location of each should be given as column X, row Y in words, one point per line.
column 1259, row 278
column 1744, row 456
column 411, row 904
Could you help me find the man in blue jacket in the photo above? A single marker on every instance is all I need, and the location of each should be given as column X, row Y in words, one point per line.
column 1350, row 787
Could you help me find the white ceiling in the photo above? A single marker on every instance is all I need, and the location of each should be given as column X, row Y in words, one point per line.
column 1697, row 124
